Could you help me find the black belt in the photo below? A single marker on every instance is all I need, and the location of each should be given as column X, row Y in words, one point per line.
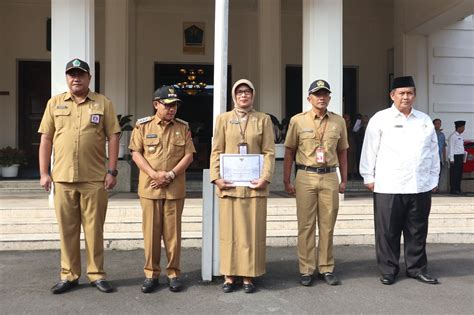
column 319, row 170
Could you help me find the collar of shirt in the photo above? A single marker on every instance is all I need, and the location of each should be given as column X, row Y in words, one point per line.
column 314, row 116
column 159, row 120
column 397, row 113
column 90, row 95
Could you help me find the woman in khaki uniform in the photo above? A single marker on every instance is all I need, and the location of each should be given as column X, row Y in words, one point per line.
column 243, row 210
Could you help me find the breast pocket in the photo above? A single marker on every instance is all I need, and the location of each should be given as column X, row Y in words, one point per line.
column 307, row 141
column 61, row 117
column 96, row 120
column 151, row 146
column 178, row 147
column 331, row 139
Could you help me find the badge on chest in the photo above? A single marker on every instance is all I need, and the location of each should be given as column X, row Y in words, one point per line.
column 95, row 119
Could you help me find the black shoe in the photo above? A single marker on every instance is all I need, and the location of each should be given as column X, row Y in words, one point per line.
column 387, row 279
column 64, row 286
column 425, row 278
column 329, row 277
column 149, row 285
column 102, row 285
column 175, row 284
column 249, row 287
column 228, row 287
column 306, row 280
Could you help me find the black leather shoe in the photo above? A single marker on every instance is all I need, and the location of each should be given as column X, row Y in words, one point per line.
column 306, row 280
column 149, row 285
column 228, row 287
column 102, row 285
column 175, row 284
column 387, row 279
column 329, row 277
column 64, row 286
column 425, row 278
column 249, row 287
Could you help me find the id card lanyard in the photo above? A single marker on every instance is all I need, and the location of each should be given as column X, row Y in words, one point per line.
column 242, row 146
column 320, row 151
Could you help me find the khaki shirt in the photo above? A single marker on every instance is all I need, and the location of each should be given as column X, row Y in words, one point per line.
column 163, row 146
column 304, row 136
column 79, row 132
column 260, row 140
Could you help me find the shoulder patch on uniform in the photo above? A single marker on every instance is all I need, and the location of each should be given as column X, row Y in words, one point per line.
column 144, row 120
column 181, row 121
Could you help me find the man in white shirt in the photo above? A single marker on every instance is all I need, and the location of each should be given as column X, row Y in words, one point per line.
column 456, row 157
column 400, row 164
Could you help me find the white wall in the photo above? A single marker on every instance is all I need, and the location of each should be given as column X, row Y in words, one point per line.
column 451, row 75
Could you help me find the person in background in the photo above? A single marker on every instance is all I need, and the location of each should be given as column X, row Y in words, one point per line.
column 456, row 157
column 441, row 142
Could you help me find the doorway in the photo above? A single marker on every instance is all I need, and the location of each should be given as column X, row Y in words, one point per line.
column 196, row 108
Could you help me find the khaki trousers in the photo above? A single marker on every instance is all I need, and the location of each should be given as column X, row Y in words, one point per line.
column 317, row 200
column 77, row 203
column 162, row 218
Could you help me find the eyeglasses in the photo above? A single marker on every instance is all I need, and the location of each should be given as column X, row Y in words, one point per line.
column 242, row 92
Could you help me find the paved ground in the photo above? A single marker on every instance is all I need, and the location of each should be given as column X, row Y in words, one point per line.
column 25, row 279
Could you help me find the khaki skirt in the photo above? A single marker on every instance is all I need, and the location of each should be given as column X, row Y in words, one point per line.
column 242, row 230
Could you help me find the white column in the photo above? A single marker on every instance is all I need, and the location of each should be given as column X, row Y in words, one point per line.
column 117, row 53
column 270, row 84
column 415, row 63
column 322, row 48
column 210, row 213
column 220, row 57
column 72, row 37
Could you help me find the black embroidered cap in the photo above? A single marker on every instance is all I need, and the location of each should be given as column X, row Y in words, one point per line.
column 401, row 82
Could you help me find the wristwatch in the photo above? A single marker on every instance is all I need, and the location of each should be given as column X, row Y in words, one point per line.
column 114, row 173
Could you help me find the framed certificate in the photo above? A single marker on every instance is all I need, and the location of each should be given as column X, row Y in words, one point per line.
column 241, row 168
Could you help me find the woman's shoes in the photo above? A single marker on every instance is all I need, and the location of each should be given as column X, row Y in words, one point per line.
column 249, row 287
column 228, row 287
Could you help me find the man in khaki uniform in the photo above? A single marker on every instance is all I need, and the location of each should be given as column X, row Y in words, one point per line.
column 162, row 148
column 318, row 138
column 78, row 123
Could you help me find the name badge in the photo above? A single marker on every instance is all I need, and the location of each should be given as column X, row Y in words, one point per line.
column 320, row 155
column 95, row 119
column 242, row 148
column 151, row 135
column 398, row 126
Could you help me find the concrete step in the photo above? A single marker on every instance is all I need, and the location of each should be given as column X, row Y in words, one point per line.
column 194, row 223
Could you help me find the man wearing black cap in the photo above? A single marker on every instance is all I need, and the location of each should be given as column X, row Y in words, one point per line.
column 77, row 123
column 318, row 139
column 456, row 157
column 163, row 149
column 400, row 164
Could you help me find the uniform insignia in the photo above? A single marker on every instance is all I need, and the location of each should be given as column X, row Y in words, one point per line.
column 152, row 149
column 398, row 126
column 76, row 63
column 95, row 119
column 144, row 120
column 151, row 135
column 184, row 122
column 234, row 121
column 61, row 106
column 177, row 133
column 307, row 130
column 320, row 83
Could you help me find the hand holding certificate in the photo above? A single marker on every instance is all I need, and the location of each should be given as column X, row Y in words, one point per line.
column 241, row 169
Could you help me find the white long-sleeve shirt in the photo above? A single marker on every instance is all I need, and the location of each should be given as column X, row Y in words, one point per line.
column 455, row 145
column 400, row 154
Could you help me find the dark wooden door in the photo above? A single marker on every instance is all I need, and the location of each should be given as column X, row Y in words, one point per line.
column 34, row 90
